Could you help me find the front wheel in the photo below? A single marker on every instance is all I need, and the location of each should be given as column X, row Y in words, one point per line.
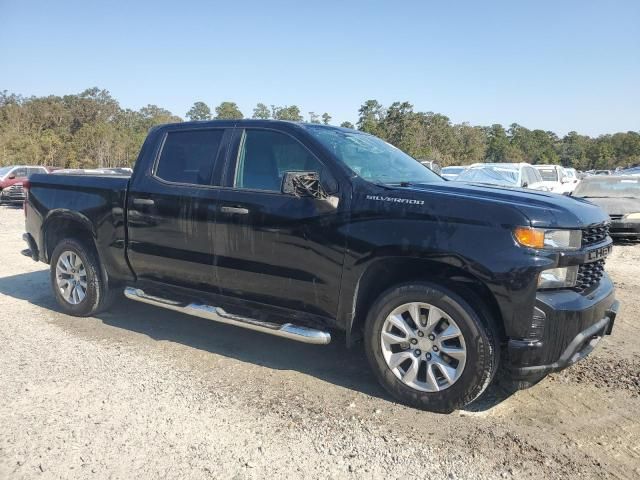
column 77, row 280
column 429, row 348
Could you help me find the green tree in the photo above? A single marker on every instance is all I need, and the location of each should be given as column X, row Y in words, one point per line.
column 326, row 118
column 347, row 125
column 497, row 144
column 261, row 111
column 199, row 111
column 370, row 115
column 471, row 144
column 228, row 111
column 314, row 117
column 291, row 113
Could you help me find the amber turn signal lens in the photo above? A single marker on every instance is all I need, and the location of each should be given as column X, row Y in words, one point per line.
column 529, row 237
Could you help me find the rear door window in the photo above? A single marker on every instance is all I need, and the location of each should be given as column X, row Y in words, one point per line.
column 189, row 156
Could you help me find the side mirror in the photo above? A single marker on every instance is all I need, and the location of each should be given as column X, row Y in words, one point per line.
column 303, row 184
column 12, row 176
column 525, row 184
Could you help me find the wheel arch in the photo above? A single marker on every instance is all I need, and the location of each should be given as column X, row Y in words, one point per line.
column 384, row 273
column 61, row 224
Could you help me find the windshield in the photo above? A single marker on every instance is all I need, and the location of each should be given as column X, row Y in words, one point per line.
column 452, row 170
column 373, row 159
column 492, row 175
column 4, row 171
column 548, row 174
column 608, row 187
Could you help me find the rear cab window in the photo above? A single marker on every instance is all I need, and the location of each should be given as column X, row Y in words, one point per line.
column 189, row 156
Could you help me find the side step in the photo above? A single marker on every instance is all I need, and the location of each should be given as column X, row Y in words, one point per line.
column 217, row 314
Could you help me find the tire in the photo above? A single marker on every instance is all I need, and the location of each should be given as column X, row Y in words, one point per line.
column 97, row 295
column 475, row 346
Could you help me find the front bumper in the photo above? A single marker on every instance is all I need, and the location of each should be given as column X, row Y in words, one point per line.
column 624, row 229
column 12, row 195
column 574, row 324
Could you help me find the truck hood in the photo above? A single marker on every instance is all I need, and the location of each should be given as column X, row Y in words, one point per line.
column 541, row 209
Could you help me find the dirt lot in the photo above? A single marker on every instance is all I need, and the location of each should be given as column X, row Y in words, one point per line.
column 144, row 393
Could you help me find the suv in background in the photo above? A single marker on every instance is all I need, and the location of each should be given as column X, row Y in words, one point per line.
column 555, row 178
column 431, row 165
column 518, row 175
column 11, row 179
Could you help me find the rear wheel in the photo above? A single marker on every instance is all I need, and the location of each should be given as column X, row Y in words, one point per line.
column 77, row 280
column 429, row 348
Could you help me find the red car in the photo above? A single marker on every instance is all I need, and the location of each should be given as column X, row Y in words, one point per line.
column 11, row 179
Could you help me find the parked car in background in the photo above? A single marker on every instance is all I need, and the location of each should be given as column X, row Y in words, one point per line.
column 450, row 173
column 617, row 195
column 570, row 180
column 628, row 171
column 602, row 172
column 555, row 178
column 517, row 175
column 16, row 175
column 431, row 165
column 93, row 171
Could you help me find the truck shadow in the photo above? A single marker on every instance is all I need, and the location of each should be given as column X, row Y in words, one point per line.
column 333, row 363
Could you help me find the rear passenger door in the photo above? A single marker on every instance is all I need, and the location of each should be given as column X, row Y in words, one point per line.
column 171, row 208
column 272, row 247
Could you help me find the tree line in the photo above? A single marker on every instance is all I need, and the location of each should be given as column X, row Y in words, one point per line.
column 91, row 129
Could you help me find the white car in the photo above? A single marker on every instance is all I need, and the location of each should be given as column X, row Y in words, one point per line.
column 450, row 173
column 518, row 175
column 556, row 179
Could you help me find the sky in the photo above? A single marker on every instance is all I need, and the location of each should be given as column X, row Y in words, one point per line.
column 555, row 65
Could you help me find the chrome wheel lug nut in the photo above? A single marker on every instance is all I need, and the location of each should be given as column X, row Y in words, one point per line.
column 428, row 356
column 417, row 353
column 432, row 337
column 435, row 349
column 420, row 334
column 414, row 341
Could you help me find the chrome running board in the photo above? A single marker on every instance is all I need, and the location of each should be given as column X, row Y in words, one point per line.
column 217, row 314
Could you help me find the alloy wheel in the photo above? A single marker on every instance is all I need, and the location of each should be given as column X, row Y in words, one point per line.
column 423, row 346
column 71, row 277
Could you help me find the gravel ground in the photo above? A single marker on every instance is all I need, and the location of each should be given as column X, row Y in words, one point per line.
column 142, row 392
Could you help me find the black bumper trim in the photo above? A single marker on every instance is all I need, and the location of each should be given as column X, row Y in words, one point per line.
column 581, row 346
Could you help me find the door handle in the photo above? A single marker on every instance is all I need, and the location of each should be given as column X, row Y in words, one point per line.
column 236, row 210
column 143, row 201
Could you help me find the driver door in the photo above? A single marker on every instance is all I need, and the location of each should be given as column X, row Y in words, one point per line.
column 271, row 247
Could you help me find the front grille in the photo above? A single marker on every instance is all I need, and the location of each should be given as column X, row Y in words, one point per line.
column 589, row 274
column 594, row 234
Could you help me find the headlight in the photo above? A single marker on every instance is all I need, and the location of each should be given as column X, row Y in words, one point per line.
column 548, row 238
column 632, row 216
column 558, row 277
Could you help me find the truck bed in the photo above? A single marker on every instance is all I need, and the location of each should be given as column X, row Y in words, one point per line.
column 98, row 201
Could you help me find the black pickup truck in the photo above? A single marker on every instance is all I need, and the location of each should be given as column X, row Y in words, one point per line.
column 298, row 230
